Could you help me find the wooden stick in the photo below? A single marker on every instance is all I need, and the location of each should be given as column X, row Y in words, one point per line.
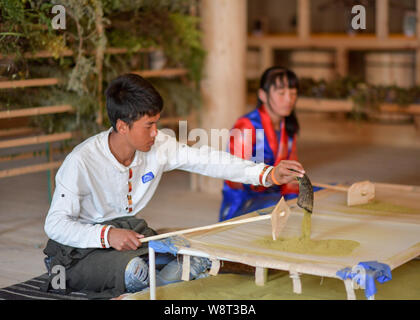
column 328, row 186
column 212, row 226
column 358, row 193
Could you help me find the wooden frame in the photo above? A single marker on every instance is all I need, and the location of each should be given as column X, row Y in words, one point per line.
column 404, row 248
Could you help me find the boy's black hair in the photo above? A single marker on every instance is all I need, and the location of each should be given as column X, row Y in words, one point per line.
column 274, row 76
column 129, row 97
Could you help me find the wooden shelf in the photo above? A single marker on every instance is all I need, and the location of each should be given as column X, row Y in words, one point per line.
column 30, row 169
column 36, row 140
column 28, row 83
column 68, row 53
column 164, row 73
column 35, row 111
column 334, row 41
column 342, row 105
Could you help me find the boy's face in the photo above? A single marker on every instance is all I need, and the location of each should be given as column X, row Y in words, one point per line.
column 141, row 136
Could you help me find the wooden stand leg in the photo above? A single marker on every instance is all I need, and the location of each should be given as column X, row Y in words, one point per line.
column 215, row 267
column 186, row 268
column 417, row 124
column 260, row 276
column 152, row 274
column 348, row 283
column 297, row 285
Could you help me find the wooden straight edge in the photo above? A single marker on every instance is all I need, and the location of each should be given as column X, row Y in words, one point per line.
column 404, row 256
column 30, row 169
column 325, row 105
column 36, row 111
column 17, row 131
column 69, row 53
column 28, row 83
column 36, row 140
column 161, row 73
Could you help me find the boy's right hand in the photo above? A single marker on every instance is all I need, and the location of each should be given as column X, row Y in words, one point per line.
column 123, row 239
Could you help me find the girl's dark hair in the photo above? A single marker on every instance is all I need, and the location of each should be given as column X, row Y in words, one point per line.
column 129, row 97
column 273, row 77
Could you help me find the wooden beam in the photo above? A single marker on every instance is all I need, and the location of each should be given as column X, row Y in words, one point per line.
column 334, row 41
column 36, row 140
column 324, row 105
column 17, row 131
column 30, row 169
column 417, row 72
column 35, row 111
column 68, row 53
column 161, row 73
column 28, row 83
column 382, row 16
column 33, row 154
column 342, row 105
column 413, row 109
column 304, row 19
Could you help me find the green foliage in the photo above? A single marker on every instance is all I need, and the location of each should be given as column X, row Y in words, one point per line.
column 365, row 97
column 25, row 26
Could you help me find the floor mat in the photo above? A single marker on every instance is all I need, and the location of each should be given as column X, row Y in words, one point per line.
column 31, row 290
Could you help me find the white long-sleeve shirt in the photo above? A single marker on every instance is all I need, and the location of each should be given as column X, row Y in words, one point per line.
column 93, row 187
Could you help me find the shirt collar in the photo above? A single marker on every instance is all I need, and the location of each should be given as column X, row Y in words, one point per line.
column 138, row 157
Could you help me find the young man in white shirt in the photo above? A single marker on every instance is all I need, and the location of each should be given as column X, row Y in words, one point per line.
column 110, row 177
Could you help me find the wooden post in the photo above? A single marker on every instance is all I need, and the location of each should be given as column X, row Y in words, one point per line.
column 224, row 86
column 267, row 57
column 418, row 46
column 382, row 29
column 99, row 58
column 341, row 62
column 50, row 173
column 304, row 19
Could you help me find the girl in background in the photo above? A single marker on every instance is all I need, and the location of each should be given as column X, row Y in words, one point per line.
column 275, row 114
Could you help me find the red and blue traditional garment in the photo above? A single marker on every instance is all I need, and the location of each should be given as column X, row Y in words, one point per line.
column 238, row 198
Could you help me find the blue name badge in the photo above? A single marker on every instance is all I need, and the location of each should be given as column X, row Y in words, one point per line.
column 147, row 177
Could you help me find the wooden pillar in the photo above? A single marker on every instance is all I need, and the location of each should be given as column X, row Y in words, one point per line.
column 267, row 57
column 341, row 61
column 382, row 19
column 418, row 45
column 224, row 24
column 304, row 19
